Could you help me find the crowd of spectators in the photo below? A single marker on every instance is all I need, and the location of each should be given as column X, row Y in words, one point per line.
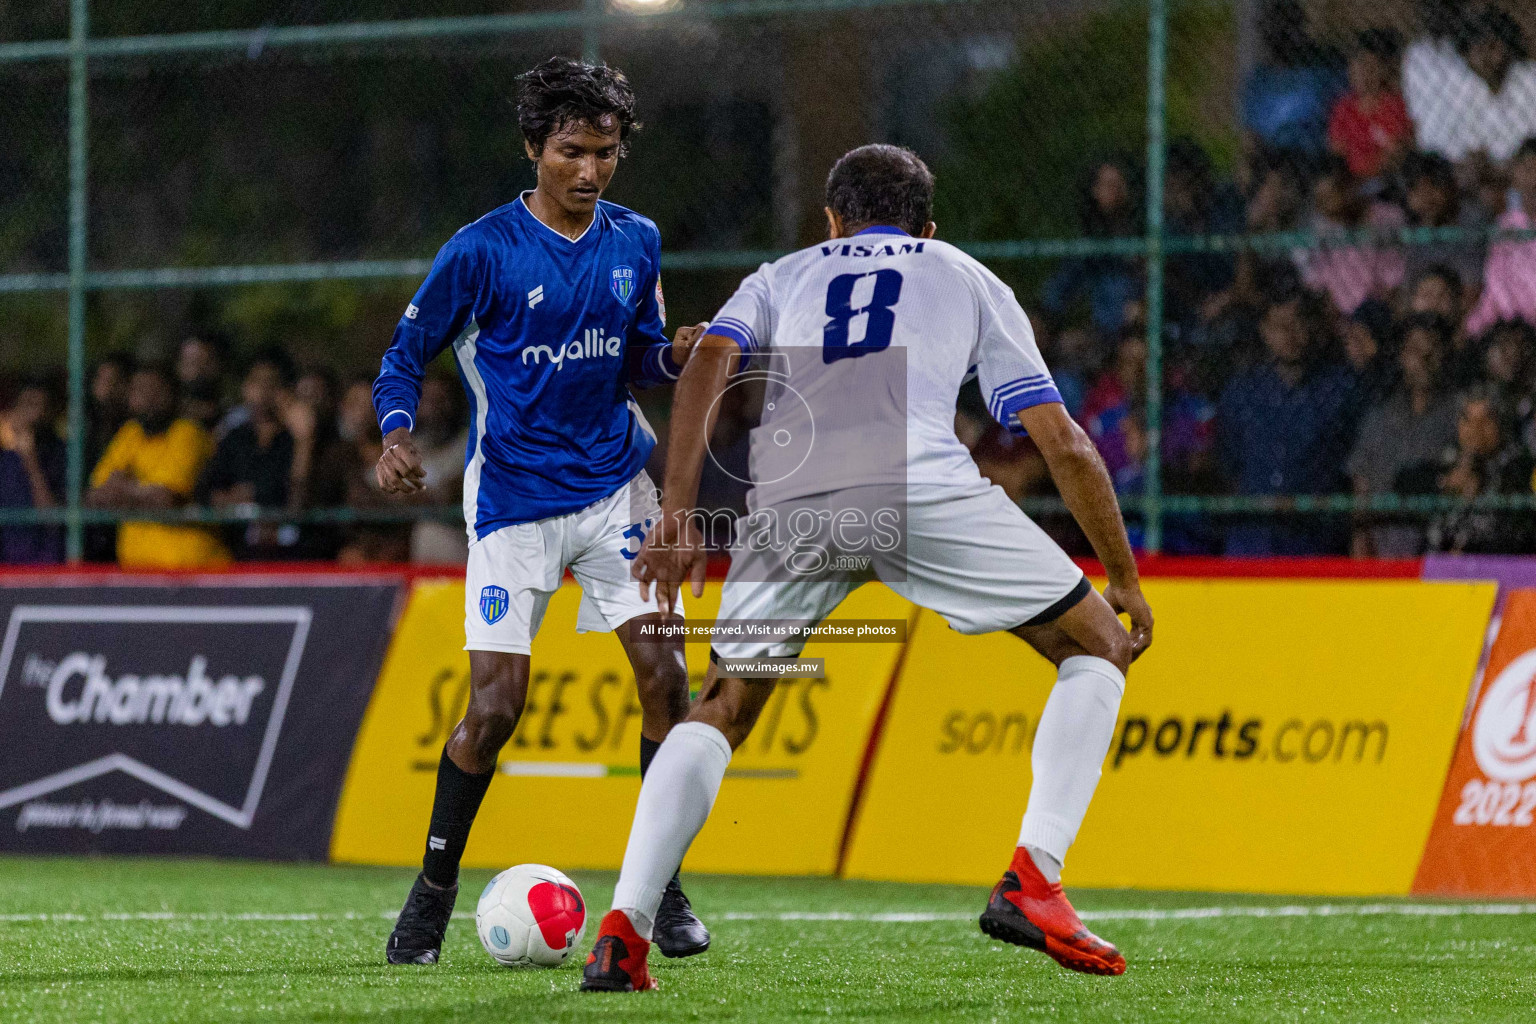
column 276, row 437
column 1357, row 364
column 1362, row 363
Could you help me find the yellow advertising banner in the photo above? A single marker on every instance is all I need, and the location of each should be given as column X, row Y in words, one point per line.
column 1280, row 736
column 568, row 780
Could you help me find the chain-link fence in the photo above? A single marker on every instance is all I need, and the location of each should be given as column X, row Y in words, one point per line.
column 1276, row 252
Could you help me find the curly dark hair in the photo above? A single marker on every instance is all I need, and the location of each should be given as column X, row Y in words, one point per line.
column 562, row 92
column 882, row 185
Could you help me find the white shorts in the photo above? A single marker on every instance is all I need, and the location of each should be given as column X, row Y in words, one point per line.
column 971, row 555
column 513, row 572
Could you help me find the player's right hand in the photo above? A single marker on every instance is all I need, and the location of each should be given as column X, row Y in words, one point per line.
column 684, row 341
column 673, row 552
column 399, row 469
column 1127, row 599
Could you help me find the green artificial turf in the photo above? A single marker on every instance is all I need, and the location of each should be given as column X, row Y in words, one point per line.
column 131, row 941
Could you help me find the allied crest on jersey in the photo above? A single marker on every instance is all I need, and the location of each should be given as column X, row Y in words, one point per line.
column 493, row 604
column 622, row 281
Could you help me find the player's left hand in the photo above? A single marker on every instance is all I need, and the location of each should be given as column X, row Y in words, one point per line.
column 1127, row 599
column 672, row 552
column 684, row 340
column 399, row 469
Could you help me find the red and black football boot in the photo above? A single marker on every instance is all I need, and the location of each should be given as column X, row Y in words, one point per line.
column 1026, row 910
column 617, row 960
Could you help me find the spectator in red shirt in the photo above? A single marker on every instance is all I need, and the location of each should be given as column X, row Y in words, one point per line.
column 1369, row 126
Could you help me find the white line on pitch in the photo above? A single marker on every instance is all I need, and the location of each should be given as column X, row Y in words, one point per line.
column 893, row 917
column 171, row 915
column 1321, row 910
column 1174, row 914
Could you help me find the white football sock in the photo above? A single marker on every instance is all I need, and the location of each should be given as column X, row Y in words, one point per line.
column 642, row 925
column 1071, row 742
column 1050, row 867
column 675, row 799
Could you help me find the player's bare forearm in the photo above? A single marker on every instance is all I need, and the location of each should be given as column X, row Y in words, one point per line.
column 694, row 408
column 1090, row 496
column 1085, row 486
column 673, row 551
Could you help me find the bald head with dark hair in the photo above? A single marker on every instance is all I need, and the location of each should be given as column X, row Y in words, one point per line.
column 880, row 184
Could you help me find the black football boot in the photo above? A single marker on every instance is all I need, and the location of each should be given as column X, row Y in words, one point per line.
column 678, row 930
column 418, row 934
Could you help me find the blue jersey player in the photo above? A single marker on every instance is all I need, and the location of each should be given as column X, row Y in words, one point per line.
column 552, row 306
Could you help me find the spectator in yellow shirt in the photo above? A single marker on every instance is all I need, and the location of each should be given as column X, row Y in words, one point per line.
column 152, row 463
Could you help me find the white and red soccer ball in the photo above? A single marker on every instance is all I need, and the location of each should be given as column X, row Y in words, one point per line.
column 530, row 916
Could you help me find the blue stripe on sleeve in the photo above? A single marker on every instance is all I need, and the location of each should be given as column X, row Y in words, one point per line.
column 740, row 334
column 737, row 330
column 1018, row 386
column 1009, row 399
column 1010, row 408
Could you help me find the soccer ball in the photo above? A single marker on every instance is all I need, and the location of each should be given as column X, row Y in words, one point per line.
column 530, row 916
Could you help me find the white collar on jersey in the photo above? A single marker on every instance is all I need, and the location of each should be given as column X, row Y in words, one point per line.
column 523, row 200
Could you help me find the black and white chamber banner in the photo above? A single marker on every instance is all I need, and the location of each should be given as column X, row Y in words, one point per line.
column 192, row 719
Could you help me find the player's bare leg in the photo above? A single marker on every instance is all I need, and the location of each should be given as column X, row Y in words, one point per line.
column 661, row 677
column 498, row 689
column 731, row 706
column 1027, row 907
column 674, row 804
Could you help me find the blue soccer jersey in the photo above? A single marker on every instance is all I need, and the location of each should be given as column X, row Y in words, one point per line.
column 547, row 332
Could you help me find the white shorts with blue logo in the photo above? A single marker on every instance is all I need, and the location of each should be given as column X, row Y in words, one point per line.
column 970, row 554
column 513, row 572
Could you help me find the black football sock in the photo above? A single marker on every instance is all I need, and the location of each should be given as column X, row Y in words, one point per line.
column 453, row 812
column 648, row 750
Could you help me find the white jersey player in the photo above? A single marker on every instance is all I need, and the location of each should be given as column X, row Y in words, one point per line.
column 864, row 339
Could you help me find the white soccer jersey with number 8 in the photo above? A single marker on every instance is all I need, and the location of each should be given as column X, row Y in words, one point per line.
column 866, row 337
